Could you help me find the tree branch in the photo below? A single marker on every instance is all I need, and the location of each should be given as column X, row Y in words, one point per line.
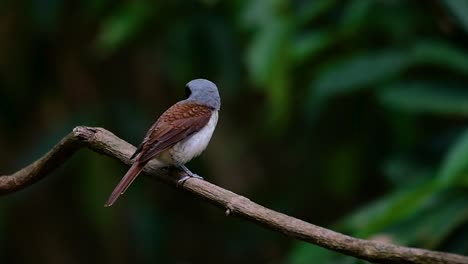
column 104, row 142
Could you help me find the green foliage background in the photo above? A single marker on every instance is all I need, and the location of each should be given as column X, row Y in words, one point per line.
column 347, row 114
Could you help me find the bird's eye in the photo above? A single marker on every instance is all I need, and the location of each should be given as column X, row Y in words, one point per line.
column 188, row 92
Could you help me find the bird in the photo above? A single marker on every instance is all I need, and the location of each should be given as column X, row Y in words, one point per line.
column 180, row 134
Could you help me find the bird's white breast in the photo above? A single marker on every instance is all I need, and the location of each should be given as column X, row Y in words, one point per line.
column 193, row 146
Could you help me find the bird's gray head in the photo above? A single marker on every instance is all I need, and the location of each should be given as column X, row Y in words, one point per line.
column 203, row 92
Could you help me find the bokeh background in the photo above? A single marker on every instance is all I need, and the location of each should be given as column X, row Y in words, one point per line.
column 347, row 114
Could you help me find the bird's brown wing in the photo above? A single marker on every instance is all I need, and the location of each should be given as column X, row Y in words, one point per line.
column 176, row 124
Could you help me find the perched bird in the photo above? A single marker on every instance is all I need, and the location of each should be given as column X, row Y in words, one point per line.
column 181, row 133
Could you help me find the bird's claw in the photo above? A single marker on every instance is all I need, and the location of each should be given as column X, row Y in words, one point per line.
column 182, row 180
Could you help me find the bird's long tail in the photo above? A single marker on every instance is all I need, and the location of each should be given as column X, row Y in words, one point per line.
column 123, row 185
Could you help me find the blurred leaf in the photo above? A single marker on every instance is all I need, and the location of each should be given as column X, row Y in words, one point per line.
column 303, row 253
column 122, row 26
column 279, row 94
column 355, row 15
column 310, row 10
column 431, row 227
column 440, row 54
column 397, row 206
column 459, row 9
column 401, row 170
column 455, row 166
column 310, row 44
column 266, row 49
column 359, row 72
column 425, row 97
column 269, row 59
column 258, row 14
column 367, row 69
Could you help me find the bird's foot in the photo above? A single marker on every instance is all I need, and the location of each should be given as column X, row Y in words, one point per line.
column 188, row 175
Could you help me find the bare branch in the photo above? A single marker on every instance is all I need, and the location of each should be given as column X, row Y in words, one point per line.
column 104, row 142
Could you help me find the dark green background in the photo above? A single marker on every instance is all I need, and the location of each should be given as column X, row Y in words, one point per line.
column 347, row 114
